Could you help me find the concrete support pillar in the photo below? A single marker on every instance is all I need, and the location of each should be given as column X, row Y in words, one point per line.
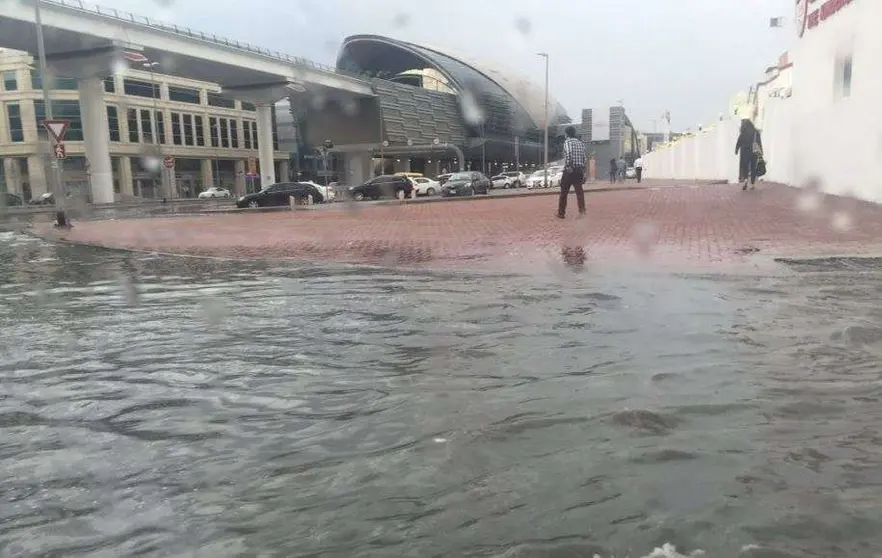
column 95, row 135
column 283, row 171
column 126, row 187
column 207, row 173
column 358, row 169
column 37, row 176
column 12, row 175
column 239, row 188
column 265, row 144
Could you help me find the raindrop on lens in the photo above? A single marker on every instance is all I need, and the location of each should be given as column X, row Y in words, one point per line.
column 401, row 20
column 523, row 25
column 841, row 221
column 471, row 112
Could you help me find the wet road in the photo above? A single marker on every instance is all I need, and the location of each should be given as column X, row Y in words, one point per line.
column 180, row 407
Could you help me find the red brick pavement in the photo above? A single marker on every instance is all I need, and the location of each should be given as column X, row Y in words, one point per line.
column 677, row 224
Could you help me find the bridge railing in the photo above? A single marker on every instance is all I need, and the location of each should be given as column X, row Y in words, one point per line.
column 129, row 17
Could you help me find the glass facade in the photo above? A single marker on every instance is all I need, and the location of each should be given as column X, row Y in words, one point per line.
column 113, row 123
column 16, row 131
column 10, row 81
column 183, row 95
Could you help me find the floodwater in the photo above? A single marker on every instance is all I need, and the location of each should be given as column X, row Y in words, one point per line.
column 158, row 406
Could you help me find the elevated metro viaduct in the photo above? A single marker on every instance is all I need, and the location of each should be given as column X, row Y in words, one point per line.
column 90, row 44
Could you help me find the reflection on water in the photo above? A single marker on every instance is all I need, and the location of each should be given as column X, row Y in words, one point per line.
column 166, row 407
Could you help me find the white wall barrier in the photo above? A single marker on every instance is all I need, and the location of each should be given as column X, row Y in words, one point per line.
column 827, row 133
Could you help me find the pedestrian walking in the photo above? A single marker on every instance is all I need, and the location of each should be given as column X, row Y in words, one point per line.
column 613, row 170
column 575, row 164
column 623, row 168
column 638, row 169
column 749, row 148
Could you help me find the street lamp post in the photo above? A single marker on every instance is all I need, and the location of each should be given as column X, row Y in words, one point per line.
column 56, row 177
column 154, row 124
column 545, row 121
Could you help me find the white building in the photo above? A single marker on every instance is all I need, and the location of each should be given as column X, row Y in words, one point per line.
column 818, row 109
column 211, row 138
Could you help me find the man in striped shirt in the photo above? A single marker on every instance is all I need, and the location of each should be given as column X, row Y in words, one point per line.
column 575, row 163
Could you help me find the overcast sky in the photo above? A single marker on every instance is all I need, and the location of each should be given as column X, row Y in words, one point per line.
column 688, row 56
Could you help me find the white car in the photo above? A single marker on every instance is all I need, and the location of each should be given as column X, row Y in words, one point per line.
column 630, row 172
column 214, row 192
column 537, row 179
column 517, row 179
column 329, row 192
column 425, row 186
column 501, row 181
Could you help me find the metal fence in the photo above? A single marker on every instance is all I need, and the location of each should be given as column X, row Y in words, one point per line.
column 128, row 17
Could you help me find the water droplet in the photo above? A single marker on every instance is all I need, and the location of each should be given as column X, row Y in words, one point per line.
column 120, row 67
column 350, row 107
column 645, row 237
column 471, row 112
column 401, row 20
column 151, row 163
column 523, row 25
column 129, row 289
column 841, row 221
column 808, row 202
column 318, row 102
column 214, row 311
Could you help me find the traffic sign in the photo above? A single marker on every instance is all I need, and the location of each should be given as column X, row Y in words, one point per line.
column 252, row 165
column 132, row 56
column 60, row 151
column 168, row 162
column 56, row 128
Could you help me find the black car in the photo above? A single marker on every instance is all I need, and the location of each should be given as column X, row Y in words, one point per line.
column 380, row 186
column 10, row 200
column 280, row 194
column 466, row 183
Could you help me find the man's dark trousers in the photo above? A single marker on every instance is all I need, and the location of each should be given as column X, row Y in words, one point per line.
column 639, row 171
column 571, row 177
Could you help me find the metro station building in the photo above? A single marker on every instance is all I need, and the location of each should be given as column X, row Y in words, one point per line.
column 149, row 116
column 434, row 111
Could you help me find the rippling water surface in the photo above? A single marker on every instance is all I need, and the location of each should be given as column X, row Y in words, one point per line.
column 182, row 407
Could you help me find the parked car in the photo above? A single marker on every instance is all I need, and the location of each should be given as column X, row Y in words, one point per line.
column 500, row 181
column 280, row 194
column 518, row 179
column 466, row 183
column 426, row 186
column 537, row 179
column 630, row 172
column 442, row 178
column 215, row 192
column 10, row 200
column 380, row 186
column 43, row 199
column 410, row 174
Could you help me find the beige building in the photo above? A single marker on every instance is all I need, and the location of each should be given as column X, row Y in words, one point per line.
column 151, row 116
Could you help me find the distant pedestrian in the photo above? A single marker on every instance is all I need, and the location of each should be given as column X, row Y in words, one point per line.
column 638, row 169
column 575, row 165
column 623, row 169
column 613, row 170
column 749, row 148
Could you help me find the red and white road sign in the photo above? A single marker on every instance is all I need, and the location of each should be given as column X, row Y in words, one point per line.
column 60, row 151
column 56, row 128
column 132, row 56
column 168, row 162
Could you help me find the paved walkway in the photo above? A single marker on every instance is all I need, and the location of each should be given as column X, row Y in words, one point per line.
column 666, row 223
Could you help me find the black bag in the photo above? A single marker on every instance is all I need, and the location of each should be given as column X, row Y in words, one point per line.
column 760, row 166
